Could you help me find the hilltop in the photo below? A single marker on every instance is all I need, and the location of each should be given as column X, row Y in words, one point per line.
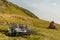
column 12, row 14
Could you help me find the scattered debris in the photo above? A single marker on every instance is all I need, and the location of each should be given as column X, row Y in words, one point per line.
column 19, row 30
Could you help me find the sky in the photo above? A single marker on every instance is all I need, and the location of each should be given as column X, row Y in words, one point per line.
column 45, row 9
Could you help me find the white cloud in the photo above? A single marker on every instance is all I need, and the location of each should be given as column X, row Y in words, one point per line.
column 45, row 9
column 54, row 4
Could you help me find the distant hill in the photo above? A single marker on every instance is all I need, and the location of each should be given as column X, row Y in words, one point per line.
column 12, row 14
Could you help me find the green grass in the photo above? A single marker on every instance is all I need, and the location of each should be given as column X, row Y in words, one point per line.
column 12, row 14
column 42, row 34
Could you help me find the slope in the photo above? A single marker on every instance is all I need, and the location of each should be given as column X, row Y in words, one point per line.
column 12, row 14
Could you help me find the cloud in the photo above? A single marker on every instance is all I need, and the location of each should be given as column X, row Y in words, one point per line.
column 44, row 9
column 54, row 4
column 49, row 10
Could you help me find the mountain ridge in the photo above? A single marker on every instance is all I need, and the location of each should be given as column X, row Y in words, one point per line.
column 12, row 14
column 6, row 5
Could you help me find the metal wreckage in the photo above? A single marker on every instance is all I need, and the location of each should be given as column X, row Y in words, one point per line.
column 19, row 30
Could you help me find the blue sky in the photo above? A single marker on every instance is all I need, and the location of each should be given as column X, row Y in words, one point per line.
column 44, row 9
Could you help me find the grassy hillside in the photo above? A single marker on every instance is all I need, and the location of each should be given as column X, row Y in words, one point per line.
column 12, row 14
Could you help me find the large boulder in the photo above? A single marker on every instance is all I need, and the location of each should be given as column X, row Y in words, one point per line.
column 52, row 25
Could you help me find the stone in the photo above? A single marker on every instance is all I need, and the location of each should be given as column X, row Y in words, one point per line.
column 52, row 25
